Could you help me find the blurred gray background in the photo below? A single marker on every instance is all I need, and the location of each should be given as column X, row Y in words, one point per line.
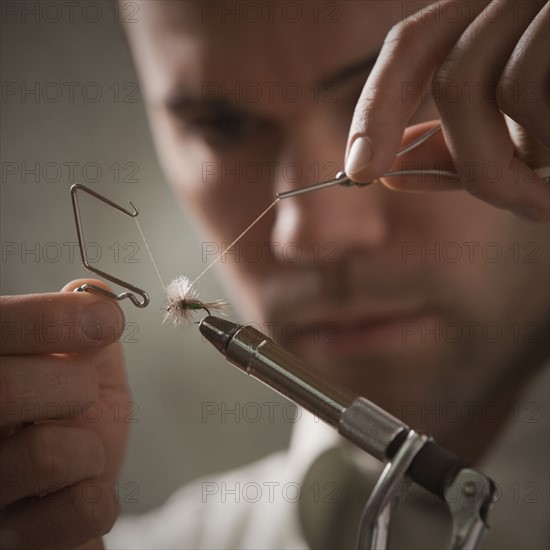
column 71, row 113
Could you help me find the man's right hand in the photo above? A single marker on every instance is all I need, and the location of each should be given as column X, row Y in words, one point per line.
column 62, row 439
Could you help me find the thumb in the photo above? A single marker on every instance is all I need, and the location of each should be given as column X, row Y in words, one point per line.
column 117, row 323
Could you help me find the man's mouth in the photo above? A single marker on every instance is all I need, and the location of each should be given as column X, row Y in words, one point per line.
column 355, row 310
column 342, row 333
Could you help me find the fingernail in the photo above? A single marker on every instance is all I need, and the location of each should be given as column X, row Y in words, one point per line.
column 528, row 213
column 100, row 321
column 360, row 155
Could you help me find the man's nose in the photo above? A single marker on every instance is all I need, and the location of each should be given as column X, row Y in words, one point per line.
column 351, row 219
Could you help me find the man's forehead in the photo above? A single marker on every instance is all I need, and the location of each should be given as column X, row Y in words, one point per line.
column 227, row 41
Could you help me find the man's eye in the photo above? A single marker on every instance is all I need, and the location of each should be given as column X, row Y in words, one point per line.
column 223, row 130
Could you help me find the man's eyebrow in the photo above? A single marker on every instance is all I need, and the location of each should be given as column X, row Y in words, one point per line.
column 183, row 99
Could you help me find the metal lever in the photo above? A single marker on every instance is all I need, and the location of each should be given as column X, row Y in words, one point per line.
column 469, row 512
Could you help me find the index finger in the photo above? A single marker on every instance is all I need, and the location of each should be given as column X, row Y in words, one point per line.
column 58, row 322
column 411, row 53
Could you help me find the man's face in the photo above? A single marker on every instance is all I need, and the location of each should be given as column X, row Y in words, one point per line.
column 415, row 301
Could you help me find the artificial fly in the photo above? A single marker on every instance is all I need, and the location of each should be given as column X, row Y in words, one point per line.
column 183, row 301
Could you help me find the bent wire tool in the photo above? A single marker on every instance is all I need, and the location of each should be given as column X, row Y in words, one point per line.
column 82, row 245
